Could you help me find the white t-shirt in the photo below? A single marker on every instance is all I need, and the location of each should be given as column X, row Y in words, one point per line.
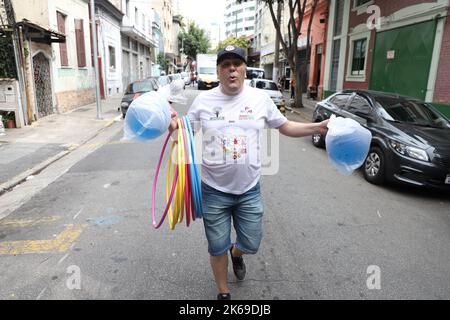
column 231, row 128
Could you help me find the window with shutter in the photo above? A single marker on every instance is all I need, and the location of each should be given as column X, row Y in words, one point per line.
column 61, row 18
column 79, row 35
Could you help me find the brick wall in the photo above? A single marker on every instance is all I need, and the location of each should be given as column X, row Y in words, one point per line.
column 69, row 100
column 442, row 88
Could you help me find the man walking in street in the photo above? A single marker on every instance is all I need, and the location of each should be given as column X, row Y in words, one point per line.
column 232, row 117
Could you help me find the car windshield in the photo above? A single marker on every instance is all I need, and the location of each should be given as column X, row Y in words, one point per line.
column 412, row 112
column 252, row 74
column 141, row 86
column 266, row 85
column 205, row 70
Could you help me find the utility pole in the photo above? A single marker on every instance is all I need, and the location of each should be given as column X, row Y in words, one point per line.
column 276, row 60
column 94, row 43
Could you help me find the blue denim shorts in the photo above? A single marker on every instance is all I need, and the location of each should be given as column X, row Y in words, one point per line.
column 245, row 209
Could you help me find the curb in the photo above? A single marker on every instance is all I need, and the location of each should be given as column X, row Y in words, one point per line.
column 10, row 184
column 301, row 114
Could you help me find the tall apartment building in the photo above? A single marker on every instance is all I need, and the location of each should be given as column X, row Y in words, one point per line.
column 262, row 44
column 240, row 18
column 166, row 13
column 137, row 40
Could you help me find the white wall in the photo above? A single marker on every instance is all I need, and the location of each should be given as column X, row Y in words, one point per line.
column 110, row 36
column 72, row 77
column 144, row 18
column 34, row 11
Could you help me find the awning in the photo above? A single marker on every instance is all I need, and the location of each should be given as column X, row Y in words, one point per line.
column 40, row 34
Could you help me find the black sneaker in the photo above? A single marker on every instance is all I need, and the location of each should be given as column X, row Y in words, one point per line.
column 238, row 266
column 224, row 296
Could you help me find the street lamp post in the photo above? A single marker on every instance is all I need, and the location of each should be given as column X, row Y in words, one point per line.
column 94, row 43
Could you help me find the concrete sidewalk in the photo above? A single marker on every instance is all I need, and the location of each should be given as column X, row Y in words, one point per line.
column 27, row 151
column 306, row 112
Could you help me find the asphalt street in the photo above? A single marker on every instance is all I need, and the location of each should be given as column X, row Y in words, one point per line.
column 87, row 233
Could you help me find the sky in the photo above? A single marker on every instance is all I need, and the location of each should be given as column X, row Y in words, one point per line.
column 203, row 12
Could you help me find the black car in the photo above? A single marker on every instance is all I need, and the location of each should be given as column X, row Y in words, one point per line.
column 410, row 138
column 135, row 89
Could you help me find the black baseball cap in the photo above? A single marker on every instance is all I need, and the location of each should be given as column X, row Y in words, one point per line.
column 231, row 52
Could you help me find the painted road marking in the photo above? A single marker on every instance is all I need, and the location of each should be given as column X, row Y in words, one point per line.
column 28, row 222
column 99, row 144
column 76, row 215
column 61, row 244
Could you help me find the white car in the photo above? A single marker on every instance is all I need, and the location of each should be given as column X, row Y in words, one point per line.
column 176, row 77
column 271, row 88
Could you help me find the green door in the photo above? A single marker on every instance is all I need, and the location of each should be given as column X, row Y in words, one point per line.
column 402, row 59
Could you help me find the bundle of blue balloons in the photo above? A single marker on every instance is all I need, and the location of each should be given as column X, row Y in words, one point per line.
column 347, row 143
column 147, row 117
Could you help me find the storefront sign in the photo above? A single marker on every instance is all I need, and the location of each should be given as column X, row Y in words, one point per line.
column 391, row 54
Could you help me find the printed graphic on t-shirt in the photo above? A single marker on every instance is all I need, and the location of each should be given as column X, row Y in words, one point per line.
column 246, row 114
column 235, row 148
column 217, row 111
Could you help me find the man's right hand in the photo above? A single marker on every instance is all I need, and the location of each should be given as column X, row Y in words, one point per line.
column 173, row 121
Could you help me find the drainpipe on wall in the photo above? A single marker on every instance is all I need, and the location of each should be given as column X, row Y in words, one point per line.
column 28, row 112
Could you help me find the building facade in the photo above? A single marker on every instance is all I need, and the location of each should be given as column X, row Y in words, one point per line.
column 166, row 13
column 137, row 40
column 240, row 18
column 159, row 48
column 263, row 41
column 315, row 63
column 67, row 66
column 109, row 20
column 392, row 46
column 27, row 82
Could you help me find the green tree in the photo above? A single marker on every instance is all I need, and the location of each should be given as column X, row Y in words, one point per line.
column 163, row 62
column 194, row 41
column 7, row 61
column 241, row 42
column 294, row 25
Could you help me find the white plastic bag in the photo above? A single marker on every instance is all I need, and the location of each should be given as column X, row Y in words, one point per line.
column 347, row 144
column 148, row 117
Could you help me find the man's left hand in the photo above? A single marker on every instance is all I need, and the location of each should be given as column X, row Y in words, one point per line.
column 322, row 128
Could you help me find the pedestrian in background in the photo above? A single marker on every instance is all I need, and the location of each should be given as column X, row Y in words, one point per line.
column 293, row 86
column 282, row 83
column 231, row 167
column 192, row 78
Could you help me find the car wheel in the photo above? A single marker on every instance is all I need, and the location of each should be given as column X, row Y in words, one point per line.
column 123, row 115
column 318, row 140
column 374, row 166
